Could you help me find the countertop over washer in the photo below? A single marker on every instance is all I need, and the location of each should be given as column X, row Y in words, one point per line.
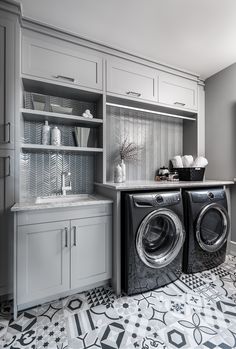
column 140, row 185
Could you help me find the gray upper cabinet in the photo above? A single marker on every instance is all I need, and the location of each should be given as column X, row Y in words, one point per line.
column 177, row 91
column 126, row 78
column 59, row 61
column 90, row 250
column 43, row 260
column 7, row 82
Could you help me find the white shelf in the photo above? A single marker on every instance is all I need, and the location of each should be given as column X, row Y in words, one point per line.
column 37, row 115
column 52, row 148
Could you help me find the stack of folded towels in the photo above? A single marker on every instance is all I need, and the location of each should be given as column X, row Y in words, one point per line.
column 188, row 161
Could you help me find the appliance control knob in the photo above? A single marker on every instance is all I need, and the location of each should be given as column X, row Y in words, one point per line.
column 211, row 195
column 159, row 199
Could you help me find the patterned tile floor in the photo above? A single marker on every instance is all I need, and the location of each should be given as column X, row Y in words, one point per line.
column 196, row 311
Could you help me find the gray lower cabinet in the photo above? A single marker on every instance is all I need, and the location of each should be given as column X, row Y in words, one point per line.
column 131, row 79
column 90, row 250
column 58, row 61
column 6, row 220
column 56, row 257
column 43, row 260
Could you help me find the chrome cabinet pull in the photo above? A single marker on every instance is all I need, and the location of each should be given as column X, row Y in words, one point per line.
column 75, row 242
column 179, row 103
column 9, row 166
column 66, row 237
column 132, row 93
column 7, row 140
column 65, row 78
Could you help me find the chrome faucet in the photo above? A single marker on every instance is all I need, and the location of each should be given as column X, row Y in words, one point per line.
column 65, row 188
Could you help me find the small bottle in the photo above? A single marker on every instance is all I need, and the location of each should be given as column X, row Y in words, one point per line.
column 46, row 133
column 56, row 136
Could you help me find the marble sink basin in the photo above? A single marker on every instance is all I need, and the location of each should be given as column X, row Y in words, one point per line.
column 64, row 199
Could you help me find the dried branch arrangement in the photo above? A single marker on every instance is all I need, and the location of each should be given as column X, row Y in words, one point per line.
column 129, row 150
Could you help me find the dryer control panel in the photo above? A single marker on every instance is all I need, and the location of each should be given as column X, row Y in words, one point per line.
column 156, row 199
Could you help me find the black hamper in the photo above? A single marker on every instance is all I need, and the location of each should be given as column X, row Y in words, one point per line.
column 191, row 173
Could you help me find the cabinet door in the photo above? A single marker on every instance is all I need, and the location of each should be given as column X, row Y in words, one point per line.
column 55, row 60
column 90, row 250
column 6, row 220
column 43, row 252
column 7, row 83
column 177, row 91
column 131, row 79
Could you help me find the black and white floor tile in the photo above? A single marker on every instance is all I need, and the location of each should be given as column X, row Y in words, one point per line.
column 196, row 311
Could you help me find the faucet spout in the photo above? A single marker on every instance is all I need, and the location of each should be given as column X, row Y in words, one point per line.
column 64, row 187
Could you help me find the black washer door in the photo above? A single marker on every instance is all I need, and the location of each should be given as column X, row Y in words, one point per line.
column 160, row 238
column 212, row 227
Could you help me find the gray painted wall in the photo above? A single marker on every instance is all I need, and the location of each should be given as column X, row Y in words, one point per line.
column 221, row 130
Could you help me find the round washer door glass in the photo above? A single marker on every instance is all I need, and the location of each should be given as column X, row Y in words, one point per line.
column 212, row 227
column 160, row 238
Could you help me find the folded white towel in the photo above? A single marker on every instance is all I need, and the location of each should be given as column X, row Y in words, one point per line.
column 200, row 161
column 187, row 160
column 177, row 161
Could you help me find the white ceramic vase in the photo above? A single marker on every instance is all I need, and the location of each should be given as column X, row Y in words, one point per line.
column 123, row 168
column 118, row 174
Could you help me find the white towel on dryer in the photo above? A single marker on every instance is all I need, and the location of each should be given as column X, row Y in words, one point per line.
column 187, row 160
column 177, row 161
column 200, row 161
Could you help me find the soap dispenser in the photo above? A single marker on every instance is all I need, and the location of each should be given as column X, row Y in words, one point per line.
column 46, row 133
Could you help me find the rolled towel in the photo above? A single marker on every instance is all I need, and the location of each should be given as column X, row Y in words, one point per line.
column 177, row 161
column 187, row 160
column 200, row 161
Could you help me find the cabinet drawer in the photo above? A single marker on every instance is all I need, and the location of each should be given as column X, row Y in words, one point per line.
column 56, row 60
column 177, row 91
column 131, row 79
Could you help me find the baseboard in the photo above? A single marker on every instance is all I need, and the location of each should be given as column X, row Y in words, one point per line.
column 232, row 248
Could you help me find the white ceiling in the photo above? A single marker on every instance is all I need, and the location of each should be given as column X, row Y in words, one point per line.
column 195, row 35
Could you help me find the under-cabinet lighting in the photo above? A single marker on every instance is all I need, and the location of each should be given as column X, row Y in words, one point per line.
column 151, row 111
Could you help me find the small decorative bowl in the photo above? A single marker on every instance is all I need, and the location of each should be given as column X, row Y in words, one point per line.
column 56, row 108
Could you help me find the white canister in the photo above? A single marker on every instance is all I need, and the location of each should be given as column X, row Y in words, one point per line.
column 46, row 133
column 118, row 174
column 56, row 136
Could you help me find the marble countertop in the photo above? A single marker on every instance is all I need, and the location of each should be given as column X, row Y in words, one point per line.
column 32, row 205
column 136, row 185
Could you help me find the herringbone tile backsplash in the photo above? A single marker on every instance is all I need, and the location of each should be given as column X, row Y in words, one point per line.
column 41, row 173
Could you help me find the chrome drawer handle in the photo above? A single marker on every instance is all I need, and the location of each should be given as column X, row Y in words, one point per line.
column 65, row 78
column 9, row 166
column 66, row 237
column 7, row 141
column 132, row 93
column 75, row 242
column 179, row 103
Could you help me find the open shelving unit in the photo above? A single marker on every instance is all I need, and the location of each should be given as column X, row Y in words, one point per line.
column 66, row 119
column 57, row 149
column 42, row 164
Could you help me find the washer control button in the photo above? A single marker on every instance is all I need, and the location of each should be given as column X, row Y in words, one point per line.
column 159, row 199
column 211, row 195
